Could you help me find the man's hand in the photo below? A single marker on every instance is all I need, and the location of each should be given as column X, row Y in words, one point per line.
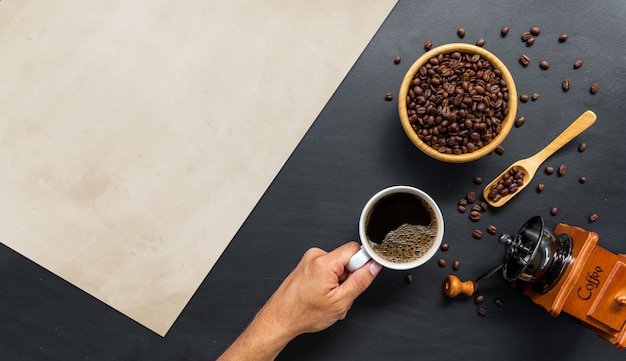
column 317, row 293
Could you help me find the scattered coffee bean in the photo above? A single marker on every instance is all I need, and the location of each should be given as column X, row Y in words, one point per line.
column 520, row 121
column 523, row 98
column 562, row 169
column 593, row 217
column 499, row 150
column 535, row 30
column 540, row 187
column 499, row 302
column 530, row 41
column 480, row 42
column 441, row 262
column 549, row 170
column 460, row 32
column 509, row 183
column 492, row 229
column 594, row 88
column 482, row 312
column 388, row 96
column 471, row 197
column 544, row 64
column 456, row 265
column 563, row 38
column 478, row 234
column 554, row 211
column 524, row 59
column 477, row 208
column 582, row 147
column 463, row 201
column 461, row 209
column 578, row 64
column 397, row 59
column 477, row 180
column 483, row 206
column 428, row 45
column 444, row 247
column 566, row 84
column 535, row 96
column 582, row 180
column 409, row 278
column 456, row 102
column 479, row 299
column 475, row 216
column 525, row 36
column 504, row 31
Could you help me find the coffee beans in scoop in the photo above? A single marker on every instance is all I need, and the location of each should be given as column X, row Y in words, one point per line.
column 508, row 184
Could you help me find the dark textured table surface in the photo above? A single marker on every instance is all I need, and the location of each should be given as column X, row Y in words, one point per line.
column 357, row 147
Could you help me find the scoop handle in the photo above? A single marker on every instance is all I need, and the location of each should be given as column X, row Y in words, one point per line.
column 584, row 121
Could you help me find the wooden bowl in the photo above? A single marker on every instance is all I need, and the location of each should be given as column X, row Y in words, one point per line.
column 506, row 123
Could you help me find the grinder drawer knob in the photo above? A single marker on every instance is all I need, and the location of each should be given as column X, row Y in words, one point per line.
column 621, row 300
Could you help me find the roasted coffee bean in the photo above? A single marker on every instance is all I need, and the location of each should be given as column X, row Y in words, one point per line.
column 509, row 183
column 461, row 209
column 535, row 30
column 441, row 262
column 483, row 206
column 471, row 197
column 499, row 302
column 540, row 187
column 475, row 216
column 520, row 121
column 492, row 229
column 504, row 31
column 544, row 64
column 477, row 180
column 397, row 59
column 409, row 278
column 582, row 180
column 566, row 84
column 549, row 170
column 388, row 96
column 456, row 265
column 499, row 150
column 594, row 88
column 479, row 299
column 480, row 42
column 530, row 41
column 525, row 36
column 482, row 312
column 478, row 234
column 562, row 169
column 523, row 98
column 428, row 45
column 578, row 64
column 535, row 96
column 554, row 211
column 477, row 208
column 463, row 201
column 582, row 147
column 524, row 59
column 593, row 217
column 444, row 247
column 563, row 38
column 457, row 102
column 460, row 32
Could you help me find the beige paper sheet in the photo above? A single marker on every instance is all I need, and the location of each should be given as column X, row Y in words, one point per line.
column 136, row 136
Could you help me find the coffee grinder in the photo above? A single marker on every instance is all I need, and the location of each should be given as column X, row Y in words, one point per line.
column 563, row 271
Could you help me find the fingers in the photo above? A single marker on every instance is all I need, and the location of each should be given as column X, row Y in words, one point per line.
column 359, row 280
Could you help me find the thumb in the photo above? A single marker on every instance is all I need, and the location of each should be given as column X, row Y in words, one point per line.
column 359, row 280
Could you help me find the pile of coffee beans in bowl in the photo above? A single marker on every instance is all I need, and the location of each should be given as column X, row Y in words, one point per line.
column 456, row 102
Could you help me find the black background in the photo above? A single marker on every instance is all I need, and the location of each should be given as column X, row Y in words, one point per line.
column 355, row 148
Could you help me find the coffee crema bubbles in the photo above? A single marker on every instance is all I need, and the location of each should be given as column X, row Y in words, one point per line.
column 456, row 102
column 406, row 244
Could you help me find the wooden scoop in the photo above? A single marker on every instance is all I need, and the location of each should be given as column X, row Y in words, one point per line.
column 529, row 165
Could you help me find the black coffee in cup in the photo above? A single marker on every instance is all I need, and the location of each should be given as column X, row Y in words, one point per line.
column 401, row 227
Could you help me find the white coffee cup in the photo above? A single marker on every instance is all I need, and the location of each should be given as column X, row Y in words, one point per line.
column 367, row 252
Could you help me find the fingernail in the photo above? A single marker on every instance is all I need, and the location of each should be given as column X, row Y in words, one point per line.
column 375, row 268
